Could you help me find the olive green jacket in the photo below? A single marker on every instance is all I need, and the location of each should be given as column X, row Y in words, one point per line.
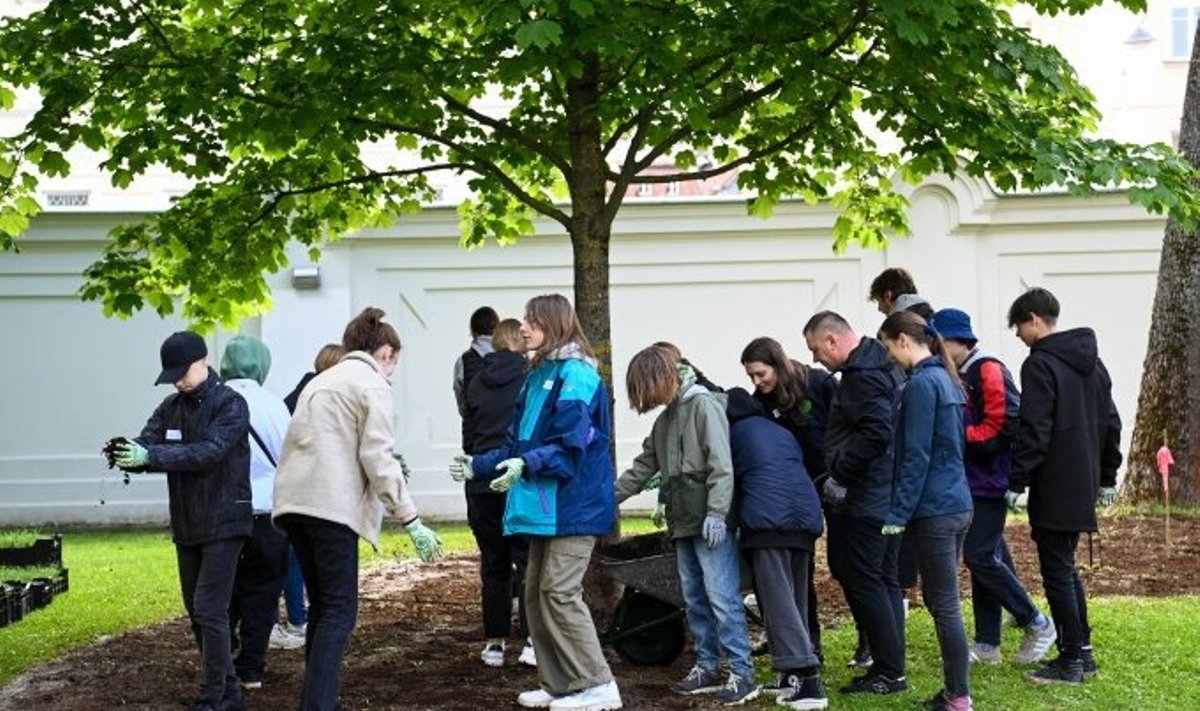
column 689, row 444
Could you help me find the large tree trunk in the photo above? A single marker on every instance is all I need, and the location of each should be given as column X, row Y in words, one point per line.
column 1169, row 402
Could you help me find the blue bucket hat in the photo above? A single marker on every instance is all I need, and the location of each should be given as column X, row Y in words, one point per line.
column 952, row 323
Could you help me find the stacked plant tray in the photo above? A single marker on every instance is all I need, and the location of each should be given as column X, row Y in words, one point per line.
column 34, row 576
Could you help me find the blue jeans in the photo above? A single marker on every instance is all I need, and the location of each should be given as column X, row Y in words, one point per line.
column 328, row 554
column 206, row 573
column 293, row 592
column 939, row 543
column 712, row 593
column 994, row 584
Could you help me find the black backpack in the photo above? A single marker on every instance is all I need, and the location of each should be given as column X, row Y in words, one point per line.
column 973, row 382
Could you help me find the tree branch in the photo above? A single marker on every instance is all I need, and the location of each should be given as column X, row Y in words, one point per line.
column 508, row 131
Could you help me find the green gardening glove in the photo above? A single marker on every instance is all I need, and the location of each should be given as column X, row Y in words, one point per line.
column 653, row 482
column 427, row 543
column 131, row 455
column 1011, row 500
column 461, row 468
column 1107, row 497
column 659, row 517
column 512, row 469
column 892, row 530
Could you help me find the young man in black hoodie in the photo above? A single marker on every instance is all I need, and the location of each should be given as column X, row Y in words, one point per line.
column 1067, row 454
column 858, row 454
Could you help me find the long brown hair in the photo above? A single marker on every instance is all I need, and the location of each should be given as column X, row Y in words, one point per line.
column 652, row 379
column 916, row 328
column 791, row 378
column 556, row 317
column 368, row 332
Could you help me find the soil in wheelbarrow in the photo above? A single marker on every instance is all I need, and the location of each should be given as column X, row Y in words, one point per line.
column 417, row 641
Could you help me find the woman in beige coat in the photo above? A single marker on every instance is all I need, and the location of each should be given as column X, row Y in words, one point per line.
column 336, row 478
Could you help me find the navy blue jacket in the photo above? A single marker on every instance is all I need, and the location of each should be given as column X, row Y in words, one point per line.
column 201, row 440
column 776, row 501
column 930, row 477
column 858, row 436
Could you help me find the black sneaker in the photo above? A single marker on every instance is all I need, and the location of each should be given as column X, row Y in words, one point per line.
column 940, row 702
column 233, row 700
column 871, row 683
column 1058, row 671
column 809, row 695
column 737, row 691
column 785, row 684
column 1087, row 656
column 698, row 681
column 862, row 658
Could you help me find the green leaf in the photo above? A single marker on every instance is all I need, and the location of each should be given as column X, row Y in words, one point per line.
column 542, row 34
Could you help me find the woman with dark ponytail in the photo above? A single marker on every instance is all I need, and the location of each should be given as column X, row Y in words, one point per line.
column 337, row 475
column 932, row 499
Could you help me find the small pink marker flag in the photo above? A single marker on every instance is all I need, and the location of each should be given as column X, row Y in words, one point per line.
column 1165, row 460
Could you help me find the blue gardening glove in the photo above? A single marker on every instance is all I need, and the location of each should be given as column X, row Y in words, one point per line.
column 460, row 468
column 403, row 465
column 835, row 493
column 891, row 530
column 131, row 455
column 1010, row 500
column 714, row 530
column 1107, row 497
column 659, row 517
column 427, row 543
column 512, row 469
column 653, row 482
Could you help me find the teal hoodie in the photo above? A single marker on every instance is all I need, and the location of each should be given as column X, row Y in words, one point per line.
column 245, row 358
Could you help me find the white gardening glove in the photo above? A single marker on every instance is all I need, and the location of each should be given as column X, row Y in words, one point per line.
column 460, row 468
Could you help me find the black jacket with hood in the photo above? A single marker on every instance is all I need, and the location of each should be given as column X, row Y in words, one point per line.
column 201, row 440
column 1068, row 444
column 858, row 436
column 490, row 404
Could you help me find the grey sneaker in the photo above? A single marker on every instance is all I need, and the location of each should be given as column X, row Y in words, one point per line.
column 1036, row 642
column 698, row 681
column 737, row 691
column 984, row 654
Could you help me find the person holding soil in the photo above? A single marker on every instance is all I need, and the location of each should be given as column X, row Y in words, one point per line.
column 689, row 444
column 555, row 466
column 490, row 399
column 336, row 478
column 932, row 500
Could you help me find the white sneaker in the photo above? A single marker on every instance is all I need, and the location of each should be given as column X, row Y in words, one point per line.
column 604, row 697
column 281, row 639
column 528, row 655
column 536, row 699
column 297, row 630
column 493, row 654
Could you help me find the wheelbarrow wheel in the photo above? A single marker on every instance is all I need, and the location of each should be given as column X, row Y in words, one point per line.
column 660, row 642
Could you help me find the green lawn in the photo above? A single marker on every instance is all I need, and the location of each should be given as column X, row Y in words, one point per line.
column 126, row 579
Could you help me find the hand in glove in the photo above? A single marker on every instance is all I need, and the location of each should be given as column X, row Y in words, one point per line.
column 714, row 530
column 1010, row 499
column 460, row 468
column 653, row 482
column 404, row 470
column 427, row 543
column 1107, row 497
column 659, row 517
column 131, row 455
column 892, row 530
column 835, row 493
column 512, row 469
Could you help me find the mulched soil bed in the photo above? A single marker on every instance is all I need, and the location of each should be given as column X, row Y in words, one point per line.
column 418, row 636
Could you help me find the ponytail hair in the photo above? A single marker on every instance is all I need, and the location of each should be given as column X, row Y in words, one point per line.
column 921, row 332
column 368, row 332
column 791, row 378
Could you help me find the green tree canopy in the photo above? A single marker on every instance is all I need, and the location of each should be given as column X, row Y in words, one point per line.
column 267, row 106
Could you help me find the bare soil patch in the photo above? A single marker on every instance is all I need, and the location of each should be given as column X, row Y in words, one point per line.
column 418, row 636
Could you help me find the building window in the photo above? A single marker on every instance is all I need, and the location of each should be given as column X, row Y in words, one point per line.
column 1183, row 29
column 673, row 189
column 645, row 190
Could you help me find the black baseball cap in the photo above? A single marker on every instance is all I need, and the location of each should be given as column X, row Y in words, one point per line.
column 178, row 352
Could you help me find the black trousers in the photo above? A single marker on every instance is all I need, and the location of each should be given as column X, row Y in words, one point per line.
column 502, row 562
column 206, row 573
column 261, row 572
column 872, row 588
column 1064, row 589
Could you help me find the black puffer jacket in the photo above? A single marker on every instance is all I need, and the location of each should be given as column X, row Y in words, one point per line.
column 858, row 437
column 491, row 400
column 200, row 439
column 1068, row 444
column 807, row 420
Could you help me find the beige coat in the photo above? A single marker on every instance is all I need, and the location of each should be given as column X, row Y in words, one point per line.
column 337, row 462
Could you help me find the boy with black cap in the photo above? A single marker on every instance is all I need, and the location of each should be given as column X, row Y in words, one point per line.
column 198, row 436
